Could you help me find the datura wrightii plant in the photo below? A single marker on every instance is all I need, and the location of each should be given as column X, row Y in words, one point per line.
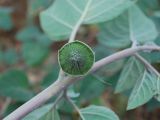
column 121, row 24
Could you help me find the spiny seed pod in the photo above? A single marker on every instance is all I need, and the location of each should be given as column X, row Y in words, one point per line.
column 76, row 58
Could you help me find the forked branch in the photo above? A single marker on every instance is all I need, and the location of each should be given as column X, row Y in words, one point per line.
column 60, row 85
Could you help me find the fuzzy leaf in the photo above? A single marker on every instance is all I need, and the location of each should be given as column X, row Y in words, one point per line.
column 146, row 87
column 129, row 75
column 121, row 31
column 59, row 20
column 98, row 113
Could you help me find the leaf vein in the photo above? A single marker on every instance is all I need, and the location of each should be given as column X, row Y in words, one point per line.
column 62, row 22
column 106, row 10
column 74, row 6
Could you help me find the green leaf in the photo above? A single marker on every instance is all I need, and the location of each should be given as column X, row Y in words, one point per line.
column 35, row 46
column 139, row 29
column 1, row 56
column 14, row 84
column 102, row 51
column 6, row 20
column 27, row 33
column 10, row 56
column 33, row 34
column 153, row 105
column 97, row 113
column 58, row 23
column 50, row 77
column 11, row 107
column 44, row 113
column 129, row 75
column 125, row 29
column 148, row 5
column 34, row 53
column 145, row 88
column 153, row 57
column 35, row 6
column 65, row 107
column 157, row 14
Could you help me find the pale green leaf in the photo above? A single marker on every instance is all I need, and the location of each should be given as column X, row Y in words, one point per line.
column 139, row 27
column 157, row 14
column 129, row 75
column 98, row 113
column 143, row 91
column 59, row 20
column 44, row 113
column 132, row 26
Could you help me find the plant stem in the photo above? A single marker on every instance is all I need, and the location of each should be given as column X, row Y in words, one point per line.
column 59, row 85
column 122, row 54
column 74, row 105
column 73, row 34
column 147, row 64
column 59, row 98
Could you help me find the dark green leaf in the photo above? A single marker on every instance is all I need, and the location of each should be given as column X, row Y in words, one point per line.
column 33, row 34
column 5, row 18
column 34, row 53
column 10, row 56
column 29, row 33
column 91, row 84
column 11, row 107
column 129, row 75
column 50, row 77
column 14, row 84
column 152, row 105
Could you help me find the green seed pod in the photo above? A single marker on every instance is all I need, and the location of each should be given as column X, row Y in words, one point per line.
column 76, row 58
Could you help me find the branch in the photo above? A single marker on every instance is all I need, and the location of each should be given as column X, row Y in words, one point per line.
column 147, row 64
column 122, row 54
column 59, row 98
column 59, row 85
column 74, row 106
column 78, row 24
